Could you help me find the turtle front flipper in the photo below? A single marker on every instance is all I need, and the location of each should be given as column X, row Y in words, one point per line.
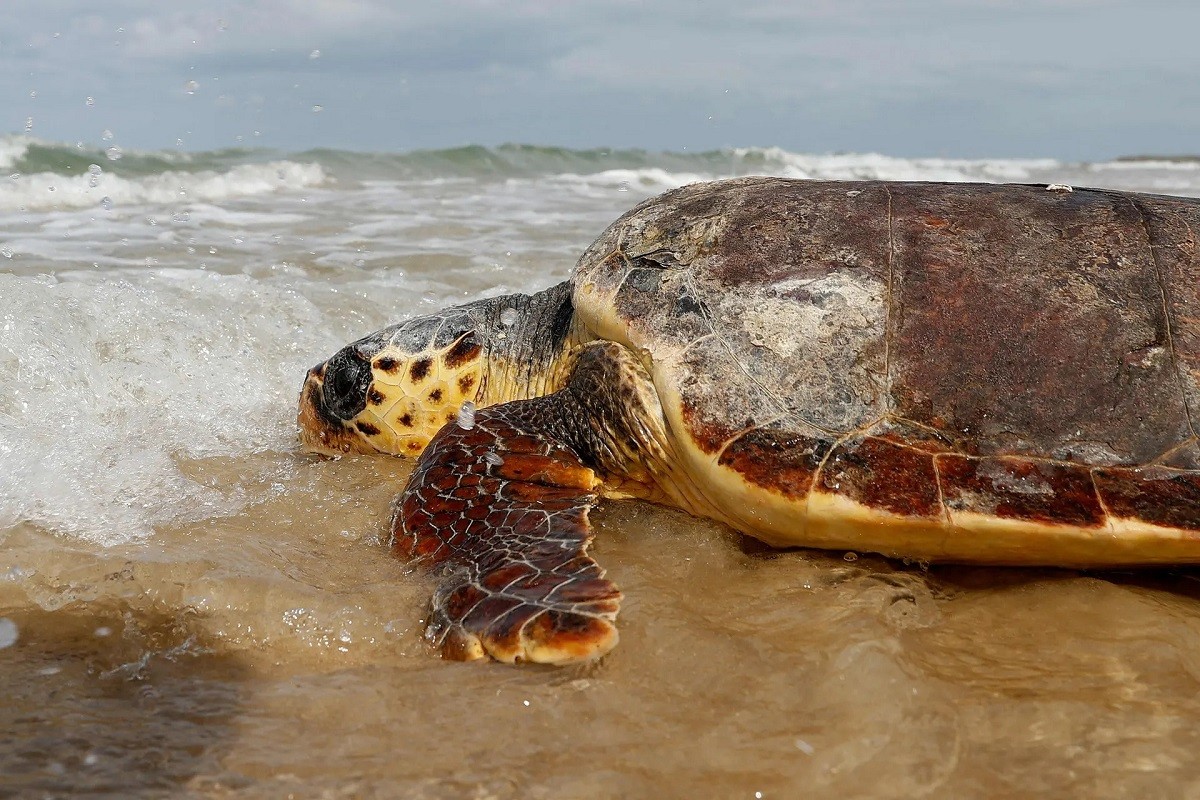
column 498, row 507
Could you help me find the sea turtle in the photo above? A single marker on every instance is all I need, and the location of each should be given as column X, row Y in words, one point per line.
column 1000, row 374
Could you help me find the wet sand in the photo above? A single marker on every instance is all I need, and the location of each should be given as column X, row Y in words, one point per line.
column 278, row 652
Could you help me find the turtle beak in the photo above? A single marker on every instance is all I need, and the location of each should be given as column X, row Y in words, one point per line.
column 320, row 431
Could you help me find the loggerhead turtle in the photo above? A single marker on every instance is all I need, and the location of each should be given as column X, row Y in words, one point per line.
column 1000, row 374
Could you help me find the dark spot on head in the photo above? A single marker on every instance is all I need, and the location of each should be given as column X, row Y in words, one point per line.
column 451, row 417
column 347, row 379
column 419, row 369
column 406, row 420
column 464, row 350
column 435, row 395
column 414, row 446
column 387, row 364
column 367, row 428
column 375, row 397
column 466, row 383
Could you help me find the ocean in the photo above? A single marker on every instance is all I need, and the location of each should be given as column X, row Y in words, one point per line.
column 190, row 605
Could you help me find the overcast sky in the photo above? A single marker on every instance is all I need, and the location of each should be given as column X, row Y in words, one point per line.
column 1073, row 79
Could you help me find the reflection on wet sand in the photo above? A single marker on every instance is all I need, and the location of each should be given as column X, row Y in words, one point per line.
column 106, row 699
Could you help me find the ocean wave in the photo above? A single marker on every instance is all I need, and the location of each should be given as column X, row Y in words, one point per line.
column 27, row 156
column 100, row 187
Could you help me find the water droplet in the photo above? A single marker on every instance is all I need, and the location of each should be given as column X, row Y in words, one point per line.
column 107, row 135
column 318, row 109
column 315, row 54
column 623, row 186
column 6, row 252
column 33, row 95
column 16, row 176
column 28, row 124
column 358, row 262
column 106, row 203
column 181, row 216
column 103, row 631
column 493, row 458
column 50, row 670
column 466, row 416
column 805, row 747
column 190, row 87
column 94, row 175
column 525, row 703
column 508, row 317
column 52, row 188
column 8, row 633
column 90, row 102
column 113, row 153
column 850, row 557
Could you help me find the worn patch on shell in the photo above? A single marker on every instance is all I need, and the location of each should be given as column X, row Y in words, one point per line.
column 815, row 343
column 803, row 312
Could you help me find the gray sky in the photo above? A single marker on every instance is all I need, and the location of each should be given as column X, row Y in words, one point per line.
column 1073, row 79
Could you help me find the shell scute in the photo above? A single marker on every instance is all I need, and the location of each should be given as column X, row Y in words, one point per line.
column 1032, row 322
column 880, row 474
column 1021, row 489
column 781, row 461
column 1157, row 496
column 1174, row 233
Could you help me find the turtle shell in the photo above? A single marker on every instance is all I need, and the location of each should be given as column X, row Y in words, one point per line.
column 967, row 372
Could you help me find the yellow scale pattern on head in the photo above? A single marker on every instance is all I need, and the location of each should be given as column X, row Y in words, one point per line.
column 412, row 396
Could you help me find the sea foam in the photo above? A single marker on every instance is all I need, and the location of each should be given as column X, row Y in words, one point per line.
column 47, row 191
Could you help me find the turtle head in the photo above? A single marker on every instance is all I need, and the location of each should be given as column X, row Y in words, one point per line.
column 392, row 391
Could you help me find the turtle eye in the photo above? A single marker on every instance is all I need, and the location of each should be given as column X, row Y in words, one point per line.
column 347, row 379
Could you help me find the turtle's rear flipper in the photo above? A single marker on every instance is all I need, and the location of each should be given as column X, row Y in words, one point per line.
column 500, row 510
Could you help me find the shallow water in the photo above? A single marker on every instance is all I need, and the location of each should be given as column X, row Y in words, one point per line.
column 200, row 610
